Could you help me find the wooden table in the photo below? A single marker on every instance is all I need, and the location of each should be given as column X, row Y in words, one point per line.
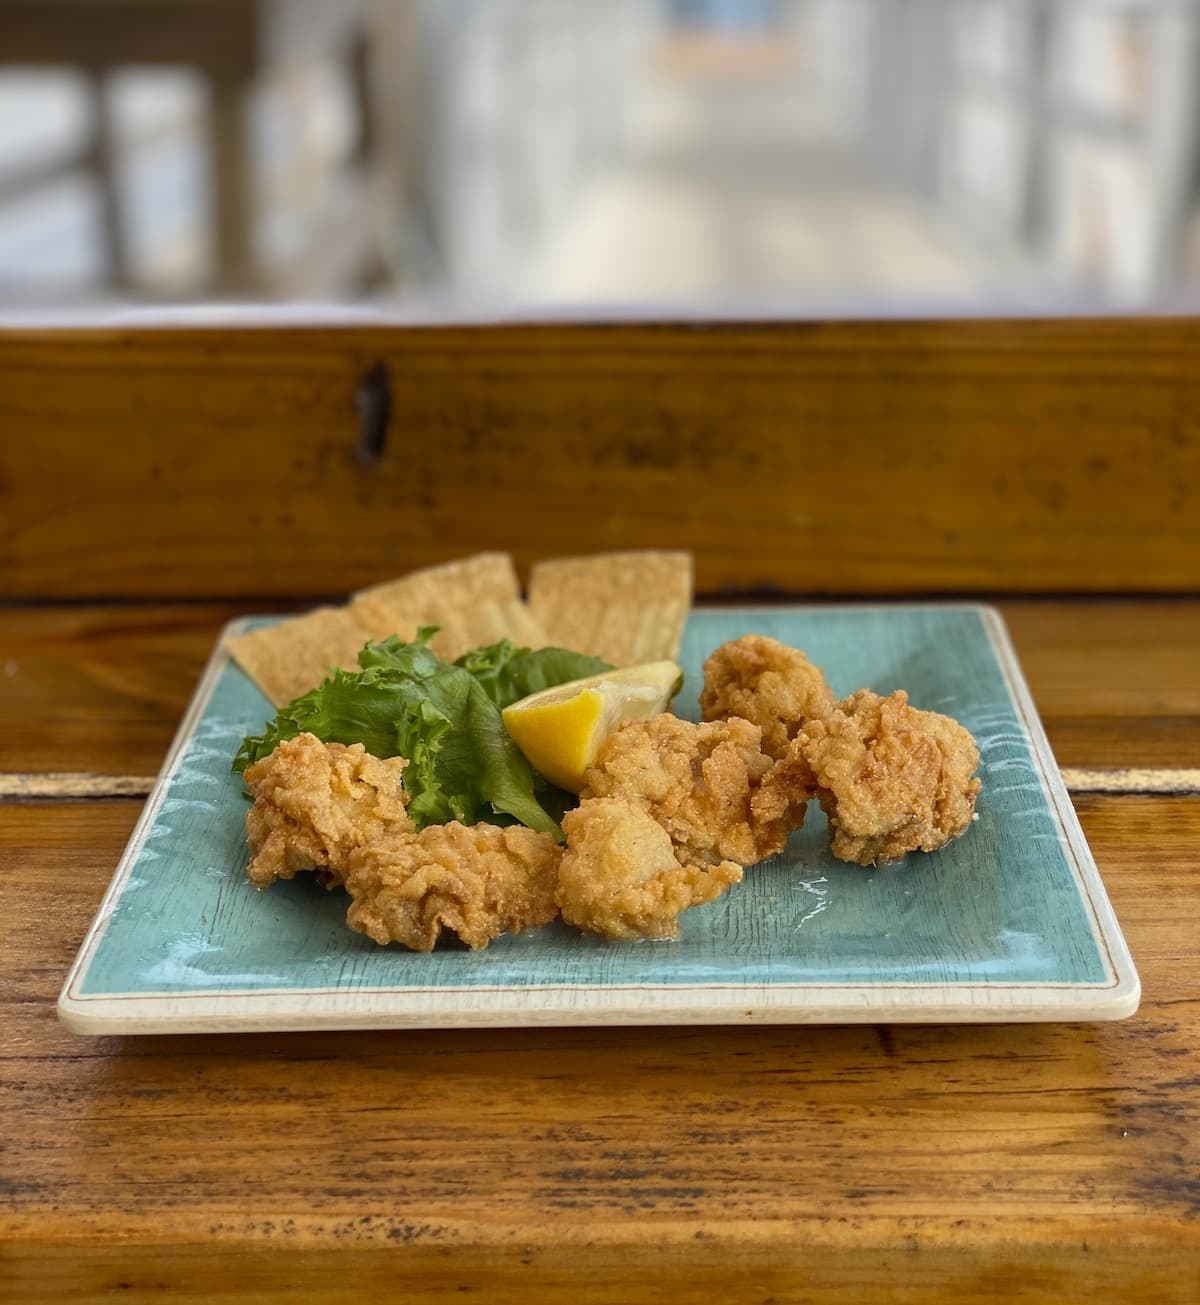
column 1034, row 1163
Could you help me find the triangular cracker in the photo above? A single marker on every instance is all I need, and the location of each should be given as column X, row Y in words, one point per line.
column 625, row 607
column 288, row 659
column 475, row 601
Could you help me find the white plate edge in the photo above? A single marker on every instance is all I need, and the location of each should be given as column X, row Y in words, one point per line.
column 1106, row 930
column 201, row 695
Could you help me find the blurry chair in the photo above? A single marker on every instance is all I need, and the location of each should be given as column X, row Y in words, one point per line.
column 234, row 46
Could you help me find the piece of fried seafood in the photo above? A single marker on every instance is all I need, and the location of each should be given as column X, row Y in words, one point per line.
column 477, row 881
column 621, row 876
column 766, row 682
column 703, row 784
column 892, row 779
column 315, row 802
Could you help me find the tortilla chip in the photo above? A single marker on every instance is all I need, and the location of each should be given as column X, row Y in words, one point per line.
column 288, row 659
column 475, row 601
column 625, row 607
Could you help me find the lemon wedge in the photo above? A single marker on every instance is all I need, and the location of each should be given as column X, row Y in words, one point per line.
column 560, row 729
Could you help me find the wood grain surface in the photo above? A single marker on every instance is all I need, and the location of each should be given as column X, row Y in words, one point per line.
column 1116, row 683
column 860, row 457
column 894, row 1164
column 102, row 688
column 1032, row 1163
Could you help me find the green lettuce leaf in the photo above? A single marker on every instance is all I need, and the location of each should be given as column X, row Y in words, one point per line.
column 353, row 707
column 508, row 673
column 406, row 701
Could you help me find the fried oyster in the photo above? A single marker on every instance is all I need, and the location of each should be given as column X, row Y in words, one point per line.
column 766, row 682
column 477, row 881
column 671, row 813
column 702, row 783
column 620, row 876
column 315, row 802
column 892, row 779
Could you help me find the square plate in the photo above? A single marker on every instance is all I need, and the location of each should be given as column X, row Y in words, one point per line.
column 1010, row 922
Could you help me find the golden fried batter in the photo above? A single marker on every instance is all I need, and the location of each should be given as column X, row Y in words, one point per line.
column 315, row 802
column 479, row 881
column 620, row 876
column 702, row 784
column 765, row 681
column 892, row 779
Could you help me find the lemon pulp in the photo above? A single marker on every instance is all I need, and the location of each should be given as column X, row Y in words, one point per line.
column 561, row 729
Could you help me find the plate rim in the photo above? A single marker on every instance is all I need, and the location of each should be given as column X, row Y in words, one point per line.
column 564, row 1004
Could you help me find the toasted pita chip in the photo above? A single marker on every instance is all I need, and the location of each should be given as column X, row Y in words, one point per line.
column 475, row 601
column 288, row 659
column 625, row 607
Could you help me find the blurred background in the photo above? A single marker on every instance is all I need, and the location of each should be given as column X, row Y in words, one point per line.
column 492, row 155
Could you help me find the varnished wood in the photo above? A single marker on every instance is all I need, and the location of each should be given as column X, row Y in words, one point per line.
column 220, row 34
column 810, row 458
column 229, row 137
column 102, row 689
column 1116, row 683
column 99, row 689
column 223, row 38
column 718, row 1267
column 1032, row 1163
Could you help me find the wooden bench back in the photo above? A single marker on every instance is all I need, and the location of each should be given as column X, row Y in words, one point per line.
column 819, row 458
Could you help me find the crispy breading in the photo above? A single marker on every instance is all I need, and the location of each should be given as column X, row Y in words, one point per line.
column 765, row 681
column 891, row 779
column 702, row 784
column 620, row 875
column 314, row 802
column 479, row 881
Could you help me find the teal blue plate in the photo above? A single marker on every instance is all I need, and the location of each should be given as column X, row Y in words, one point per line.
column 1009, row 922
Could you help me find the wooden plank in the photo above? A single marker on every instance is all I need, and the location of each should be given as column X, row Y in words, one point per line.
column 233, row 38
column 1040, row 1162
column 102, row 688
column 872, row 457
column 103, row 162
column 212, row 34
column 228, row 141
column 99, row 689
column 721, row 1266
column 1115, row 682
